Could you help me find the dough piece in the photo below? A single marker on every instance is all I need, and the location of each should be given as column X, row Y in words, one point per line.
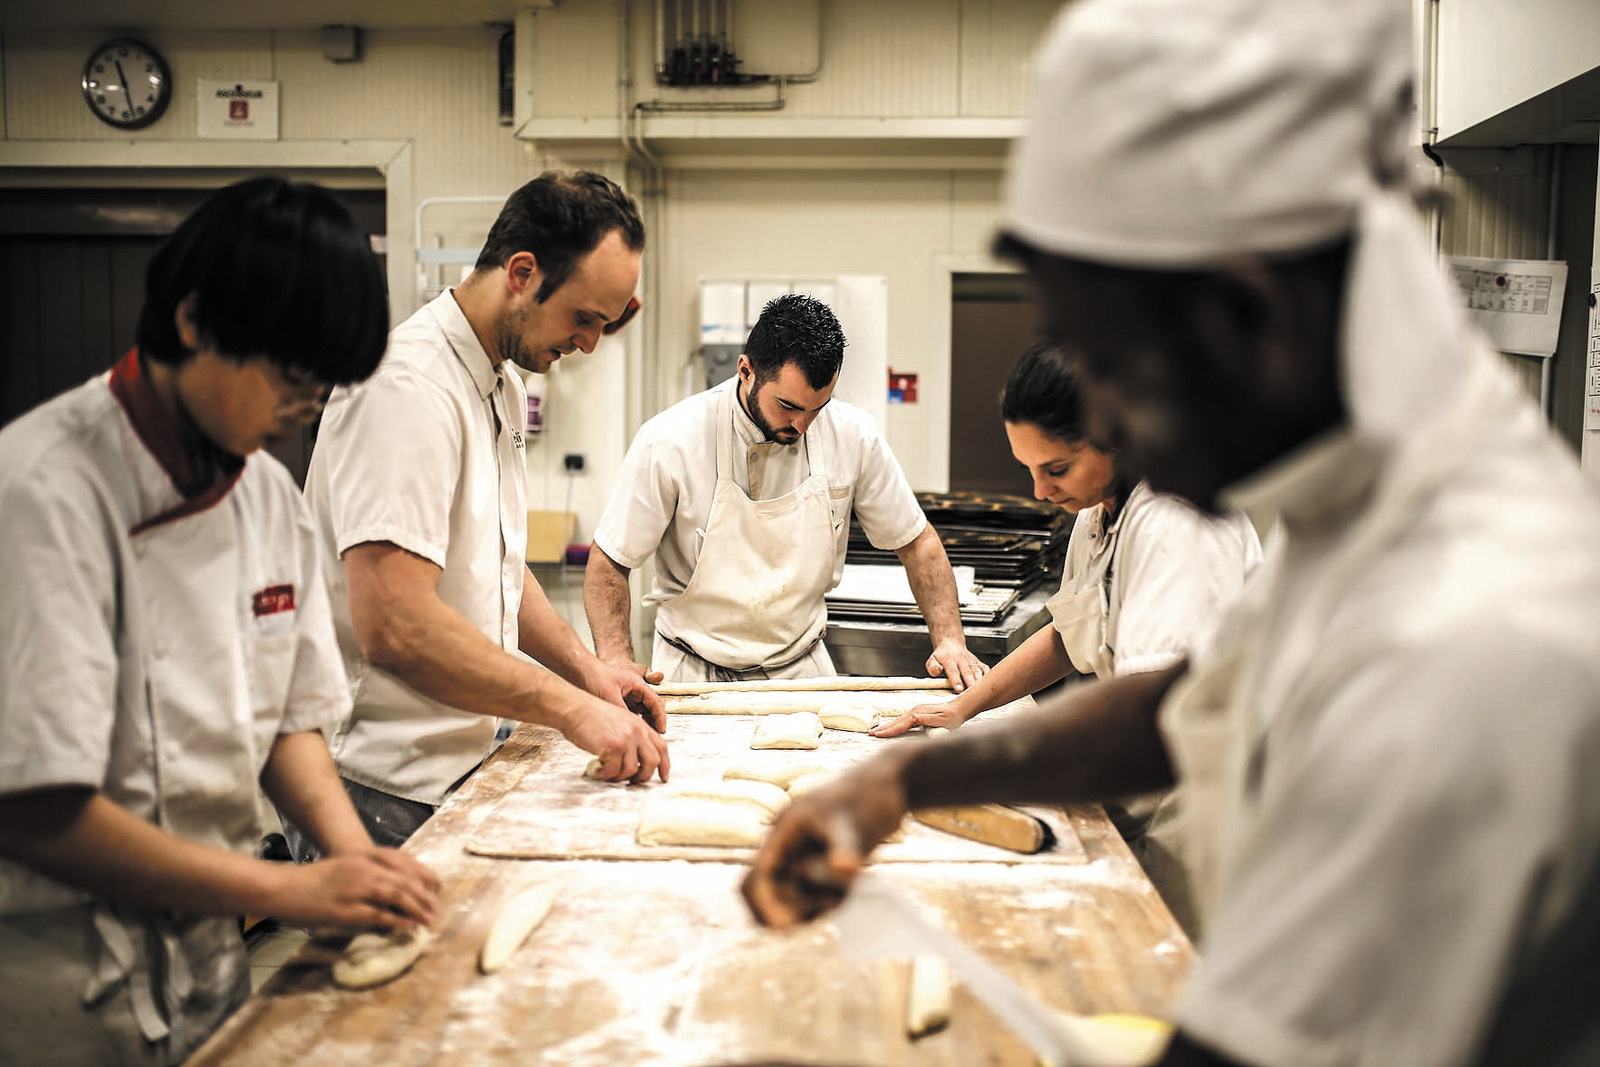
column 375, row 957
column 518, row 918
column 777, row 770
column 807, row 782
column 687, row 821
column 764, row 796
column 927, row 996
column 801, row 729
column 856, row 718
column 936, row 732
column 1119, row 1040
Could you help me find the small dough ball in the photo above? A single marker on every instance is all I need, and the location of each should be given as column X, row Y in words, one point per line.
column 855, row 718
column 807, row 782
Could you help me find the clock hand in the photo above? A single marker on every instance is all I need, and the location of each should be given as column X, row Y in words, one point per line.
column 123, row 78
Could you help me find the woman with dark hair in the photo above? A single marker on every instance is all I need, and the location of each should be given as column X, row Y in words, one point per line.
column 168, row 646
column 1146, row 578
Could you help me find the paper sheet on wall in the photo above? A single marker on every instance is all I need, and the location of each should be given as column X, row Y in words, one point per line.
column 1591, row 397
column 1517, row 302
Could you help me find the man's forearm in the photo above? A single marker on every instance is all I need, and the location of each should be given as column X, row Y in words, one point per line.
column 1096, row 743
column 607, row 603
column 301, row 780
column 547, row 637
column 933, row 584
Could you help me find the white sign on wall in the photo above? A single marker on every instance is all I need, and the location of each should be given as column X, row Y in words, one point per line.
column 241, row 110
column 1517, row 302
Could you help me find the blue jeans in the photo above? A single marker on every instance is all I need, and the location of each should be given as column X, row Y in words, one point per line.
column 390, row 820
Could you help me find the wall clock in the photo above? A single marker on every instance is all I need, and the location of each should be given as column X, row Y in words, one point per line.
column 126, row 84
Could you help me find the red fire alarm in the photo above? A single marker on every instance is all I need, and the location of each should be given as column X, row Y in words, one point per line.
column 902, row 388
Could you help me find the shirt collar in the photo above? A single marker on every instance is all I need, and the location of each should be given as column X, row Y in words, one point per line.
column 1321, row 484
column 484, row 369
column 192, row 462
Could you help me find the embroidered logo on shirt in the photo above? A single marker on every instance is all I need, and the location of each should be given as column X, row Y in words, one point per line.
column 272, row 600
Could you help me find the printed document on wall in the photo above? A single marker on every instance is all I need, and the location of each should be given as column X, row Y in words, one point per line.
column 1516, row 302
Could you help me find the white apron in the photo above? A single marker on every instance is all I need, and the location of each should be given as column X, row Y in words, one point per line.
column 184, row 974
column 1080, row 616
column 755, row 600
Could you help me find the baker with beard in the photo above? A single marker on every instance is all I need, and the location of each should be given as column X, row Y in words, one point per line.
column 419, row 487
column 743, row 493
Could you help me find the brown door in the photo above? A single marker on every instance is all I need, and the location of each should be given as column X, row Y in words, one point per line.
column 72, row 265
column 991, row 324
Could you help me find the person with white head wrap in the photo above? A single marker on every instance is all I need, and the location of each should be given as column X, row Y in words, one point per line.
column 1388, row 744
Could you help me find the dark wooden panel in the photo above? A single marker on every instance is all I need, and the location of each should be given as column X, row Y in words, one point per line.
column 987, row 336
column 19, row 327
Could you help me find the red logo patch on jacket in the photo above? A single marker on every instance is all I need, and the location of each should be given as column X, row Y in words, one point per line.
column 273, row 599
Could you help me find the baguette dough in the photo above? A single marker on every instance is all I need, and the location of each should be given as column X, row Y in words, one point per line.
column 927, row 996
column 1119, row 1040
column 375, row 957
column 767, row 798
column 800, row 729
column 690, row 821
column 856, row 718
column 777, row 770
column 518, row 918
column 807, row 782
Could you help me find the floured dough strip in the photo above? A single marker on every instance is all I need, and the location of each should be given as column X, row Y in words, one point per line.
column 777, row 770
column 801, row 729
column 927, row 996
column 520, row 917
column 803, row 685
column 375, row 957
column 686, row 821
column 767, row 798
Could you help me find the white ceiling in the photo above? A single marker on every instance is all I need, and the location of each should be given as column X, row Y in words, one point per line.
column 271, row 15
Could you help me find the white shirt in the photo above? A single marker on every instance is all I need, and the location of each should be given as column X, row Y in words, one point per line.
column 427, row 454
column 1410, row 816
column 1173, row 572
column 156, row 644
column 664, row 489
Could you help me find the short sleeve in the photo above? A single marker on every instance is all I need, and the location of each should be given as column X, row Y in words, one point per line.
column 393, row 453
column 885, row 505
column 319, row 694
column 644, row 501
column 1177, row 570
column 1400, row 841
column 58, row 637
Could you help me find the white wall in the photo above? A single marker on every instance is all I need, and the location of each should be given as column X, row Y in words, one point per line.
column 1495, row 55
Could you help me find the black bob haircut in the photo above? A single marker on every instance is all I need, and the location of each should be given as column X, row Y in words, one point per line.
column 799, row 329
column 560, row 218
column 1043, row 391
column 277, row 270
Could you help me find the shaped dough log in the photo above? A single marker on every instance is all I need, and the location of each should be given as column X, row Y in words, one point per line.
column 684, row 821
column 374, row 958
column 777, row 770
column 520, row 916
column 1119, row 1040
column 927, row 996
column 798, row 730
column 767, row 798
column 856, row 718
column 807, row 782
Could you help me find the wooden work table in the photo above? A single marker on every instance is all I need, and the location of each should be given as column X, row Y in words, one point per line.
column 656, row 961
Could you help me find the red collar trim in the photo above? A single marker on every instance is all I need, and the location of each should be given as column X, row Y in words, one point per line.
column 130, row 385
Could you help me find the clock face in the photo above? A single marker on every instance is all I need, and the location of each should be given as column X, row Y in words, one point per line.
column 126, row 84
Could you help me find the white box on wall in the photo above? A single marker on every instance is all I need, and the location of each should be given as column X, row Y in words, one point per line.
column 238, row 110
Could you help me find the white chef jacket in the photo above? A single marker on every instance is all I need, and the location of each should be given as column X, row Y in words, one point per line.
column 1169, row 570
column 156, row 641
column 664, row 489
column 1409, row 817
column 427, row 454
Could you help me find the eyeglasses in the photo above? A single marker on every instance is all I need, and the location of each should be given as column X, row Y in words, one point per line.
column 299, row 394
